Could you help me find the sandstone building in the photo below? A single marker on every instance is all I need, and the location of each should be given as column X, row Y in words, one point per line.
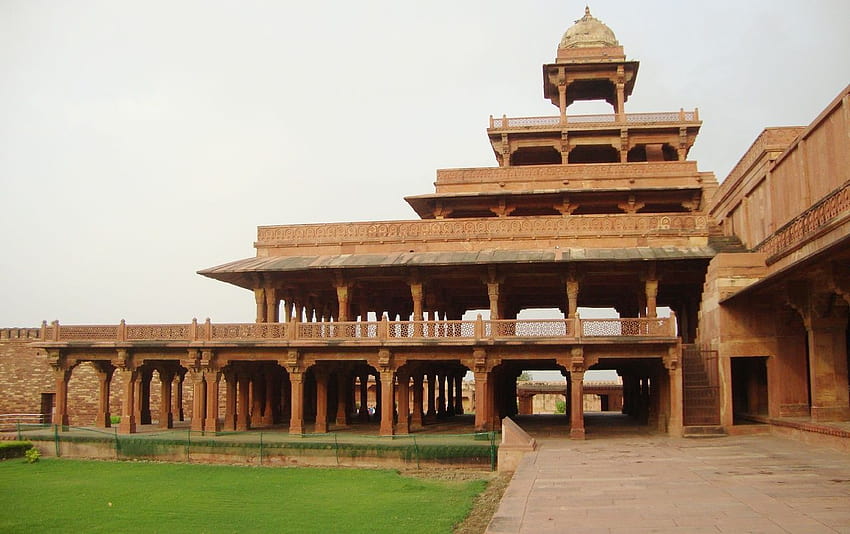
column 590, row 211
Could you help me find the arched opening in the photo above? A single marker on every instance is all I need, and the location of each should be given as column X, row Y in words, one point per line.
column 594, row 154
column 544, row 155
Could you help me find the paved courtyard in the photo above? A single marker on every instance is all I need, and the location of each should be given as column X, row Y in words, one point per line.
column 651, row 483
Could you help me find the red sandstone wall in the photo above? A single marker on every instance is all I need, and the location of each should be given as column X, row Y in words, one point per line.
column 25, row 374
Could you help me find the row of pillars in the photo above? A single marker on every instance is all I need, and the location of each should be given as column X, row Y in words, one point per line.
column 422, row 305
column 265, row 395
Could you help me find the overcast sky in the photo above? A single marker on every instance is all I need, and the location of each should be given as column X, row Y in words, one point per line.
column 142, row 141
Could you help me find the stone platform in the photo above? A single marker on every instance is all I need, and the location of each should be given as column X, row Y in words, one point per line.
column 639, row 482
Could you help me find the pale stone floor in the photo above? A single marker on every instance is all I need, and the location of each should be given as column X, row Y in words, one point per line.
column 640, row 482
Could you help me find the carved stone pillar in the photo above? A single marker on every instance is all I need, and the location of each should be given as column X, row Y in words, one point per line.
column 166, row 382
column 441, row 397
column 450, row 394
column 459, row 395
column 321, row 401
column 177, row 405
column 482, row 404
column 272, row 313
column 62, row 376
column 144, row 389
column 651, row 294
column 432, row 393
column 403, row 403
column 416, row 418
column 562, row 96
column 826, row 326
column 128, row 374
column 621, row 99
column 493, row 295
column 104, row 379
column 212, row 377
column 243, row 421
column 577, row 403
column 258, row 388
column 418, row 313
column 296, row 417
column 387, row 404
column 343, row 387
column 342, row 294
column 199, row 399
column 285, row 397
column 268, row 409
column 364, row 398
column 572, row 297
column 260, row 299
column 672, row 363
column 828, row 368
column 229, row 423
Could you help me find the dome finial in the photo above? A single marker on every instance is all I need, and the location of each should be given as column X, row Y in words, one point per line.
column 588, row 32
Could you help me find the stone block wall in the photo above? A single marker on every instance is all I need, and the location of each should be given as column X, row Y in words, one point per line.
column 25, row 375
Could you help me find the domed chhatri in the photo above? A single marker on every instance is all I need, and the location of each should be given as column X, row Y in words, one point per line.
column 587, row 32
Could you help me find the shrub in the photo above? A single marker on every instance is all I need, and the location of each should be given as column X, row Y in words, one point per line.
column 14, row 449
column 32, row 455
column 560, row 407
column 114, row 419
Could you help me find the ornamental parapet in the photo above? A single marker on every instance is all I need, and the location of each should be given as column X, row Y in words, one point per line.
column 576, row 176
column 829, row 212
column 486, row 229
column 677, row 118
column 573, row 330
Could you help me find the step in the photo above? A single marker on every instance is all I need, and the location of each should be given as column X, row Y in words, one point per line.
column 707, row 431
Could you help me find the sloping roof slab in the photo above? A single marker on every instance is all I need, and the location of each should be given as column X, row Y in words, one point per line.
column 233, row 271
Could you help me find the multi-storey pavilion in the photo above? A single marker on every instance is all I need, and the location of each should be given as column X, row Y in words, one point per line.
column 596, row 211
column 600, row 211
column 583, row 210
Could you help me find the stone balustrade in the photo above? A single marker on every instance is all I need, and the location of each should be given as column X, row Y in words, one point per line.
column 367, row 331
column 677, row 117
column 828, row 212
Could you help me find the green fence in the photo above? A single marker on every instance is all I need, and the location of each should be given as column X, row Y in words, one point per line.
column 267, row 447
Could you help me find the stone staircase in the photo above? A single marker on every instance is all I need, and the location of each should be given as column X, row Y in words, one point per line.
column 724, row 243
column 700, row 395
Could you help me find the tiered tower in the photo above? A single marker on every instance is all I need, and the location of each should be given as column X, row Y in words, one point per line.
column 590, row 65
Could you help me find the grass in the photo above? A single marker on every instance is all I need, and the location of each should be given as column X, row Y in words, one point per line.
column 59, row 495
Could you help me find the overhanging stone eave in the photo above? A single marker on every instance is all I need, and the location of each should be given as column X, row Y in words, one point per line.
column 237, row 272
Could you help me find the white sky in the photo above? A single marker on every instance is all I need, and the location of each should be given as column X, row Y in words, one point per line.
column 142, row 141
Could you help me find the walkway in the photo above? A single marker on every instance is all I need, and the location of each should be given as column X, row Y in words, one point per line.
column 652, row 483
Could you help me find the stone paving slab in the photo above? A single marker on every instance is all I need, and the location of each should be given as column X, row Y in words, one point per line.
column 649, row 483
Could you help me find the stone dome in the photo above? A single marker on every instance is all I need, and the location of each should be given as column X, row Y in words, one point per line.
column 588, row 32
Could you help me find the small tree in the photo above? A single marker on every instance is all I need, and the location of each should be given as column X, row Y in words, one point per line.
column 560, row 406
column 524, row 377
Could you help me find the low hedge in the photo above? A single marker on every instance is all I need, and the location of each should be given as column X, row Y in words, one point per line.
column 14, row 449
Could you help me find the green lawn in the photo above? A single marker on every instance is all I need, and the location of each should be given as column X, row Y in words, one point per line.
column 56, row 495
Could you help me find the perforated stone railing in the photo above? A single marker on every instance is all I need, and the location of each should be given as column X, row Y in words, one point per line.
column 630, row 118
column 384, row 330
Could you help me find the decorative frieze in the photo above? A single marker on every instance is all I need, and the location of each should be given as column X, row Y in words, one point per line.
column 514, row 228
column 590, row 171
